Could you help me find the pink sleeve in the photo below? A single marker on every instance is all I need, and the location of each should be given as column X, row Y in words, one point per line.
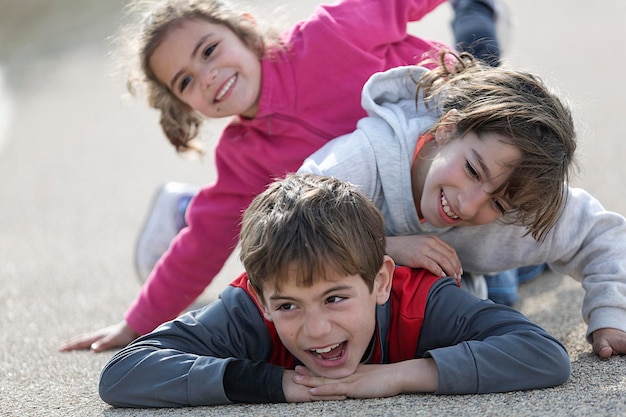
column 370, row 23
column 199, row 251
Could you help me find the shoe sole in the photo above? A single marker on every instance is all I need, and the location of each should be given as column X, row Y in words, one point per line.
column 151, row 223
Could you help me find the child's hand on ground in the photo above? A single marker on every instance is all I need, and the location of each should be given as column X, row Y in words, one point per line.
column 428, row 252
column 373, row 381
column 115, row 336
column 608, row 342
column 297, row 393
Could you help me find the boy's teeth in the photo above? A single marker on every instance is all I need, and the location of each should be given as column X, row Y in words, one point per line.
column 326, row 349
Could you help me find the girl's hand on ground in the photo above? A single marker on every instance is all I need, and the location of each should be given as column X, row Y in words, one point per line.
column 608, row 342
column 428, row 252
column 112, row 337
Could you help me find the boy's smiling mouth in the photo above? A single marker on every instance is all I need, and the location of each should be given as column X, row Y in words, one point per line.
column 330, row 352
column 225, row 88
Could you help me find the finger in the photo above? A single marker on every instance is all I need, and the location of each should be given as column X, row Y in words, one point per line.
column 329, row 390
column 82, row 342
column 446, row 260
column 431, row 265
column 605, row 352
column 602, row 348
column 449, row 263
column 328, row 398
column 106, row 343
column 303, row 370
column 309, row 381
column 99, row 346
column 441, row 267
column 442, row 247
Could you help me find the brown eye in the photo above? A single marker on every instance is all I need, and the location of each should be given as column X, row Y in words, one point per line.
column 286, row 307
column 499, row 206
column 209, row 50
column 470, row 170
column 184, row 83
column 334, row 299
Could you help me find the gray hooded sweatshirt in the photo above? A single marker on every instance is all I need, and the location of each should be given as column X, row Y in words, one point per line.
column 588, row 242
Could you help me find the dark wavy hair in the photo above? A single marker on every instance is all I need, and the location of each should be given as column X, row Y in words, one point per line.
column 520, row 106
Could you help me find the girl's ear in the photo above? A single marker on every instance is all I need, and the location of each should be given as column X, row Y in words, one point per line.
column 255, row 43
column 249, row 18
column 383, row 280
column 259, row 301
column 446, row 129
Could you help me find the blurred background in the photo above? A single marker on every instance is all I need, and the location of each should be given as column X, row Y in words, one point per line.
column 33, row 32
column 80, row 160
column 61, row 48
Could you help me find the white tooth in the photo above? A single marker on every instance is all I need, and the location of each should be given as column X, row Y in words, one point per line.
column 326, row 349
column 225, row 88
column 446, row 208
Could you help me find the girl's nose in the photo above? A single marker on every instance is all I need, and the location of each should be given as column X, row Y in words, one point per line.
column 208, row 76
column 472, row 201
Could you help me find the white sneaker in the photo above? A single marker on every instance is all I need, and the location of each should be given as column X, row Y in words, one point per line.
column 165, row 219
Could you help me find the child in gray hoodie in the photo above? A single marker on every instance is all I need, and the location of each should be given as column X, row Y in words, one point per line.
column 489, row 148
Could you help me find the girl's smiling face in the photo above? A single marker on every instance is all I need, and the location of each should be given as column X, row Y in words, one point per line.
column 329, row 325
column 460, row 177
column 209, row 68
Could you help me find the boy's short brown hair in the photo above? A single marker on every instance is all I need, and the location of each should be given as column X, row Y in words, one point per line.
column 306, row 226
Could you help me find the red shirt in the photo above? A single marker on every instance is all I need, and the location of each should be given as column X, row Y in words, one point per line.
column 409, row 295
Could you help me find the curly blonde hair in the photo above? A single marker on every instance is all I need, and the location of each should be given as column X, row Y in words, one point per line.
column 151, row 20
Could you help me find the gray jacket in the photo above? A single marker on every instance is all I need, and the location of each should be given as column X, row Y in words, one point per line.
column 220, row 354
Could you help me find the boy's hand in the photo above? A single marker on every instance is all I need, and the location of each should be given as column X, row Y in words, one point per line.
column 297, row 393
column 608, row 342
column 373, row 381
column 115, row 336
column 428, row 252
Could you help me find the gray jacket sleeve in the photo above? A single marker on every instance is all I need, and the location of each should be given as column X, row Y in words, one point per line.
column 185, row 362
column 588, row 243
column 482, row 347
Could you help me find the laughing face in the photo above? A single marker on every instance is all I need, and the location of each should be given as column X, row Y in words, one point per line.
column 329, row 325
column 455, row 183
column 209, row 68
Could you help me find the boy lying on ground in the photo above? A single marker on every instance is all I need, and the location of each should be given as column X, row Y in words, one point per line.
column 323, row 314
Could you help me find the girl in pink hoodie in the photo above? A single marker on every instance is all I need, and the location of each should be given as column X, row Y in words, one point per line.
column 288, row 96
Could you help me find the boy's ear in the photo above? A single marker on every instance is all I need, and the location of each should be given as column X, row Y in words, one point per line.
column 446, row 129
column 259, row 301
column 383, row 280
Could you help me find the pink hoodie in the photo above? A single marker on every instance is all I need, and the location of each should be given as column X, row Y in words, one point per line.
column 310, row 94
